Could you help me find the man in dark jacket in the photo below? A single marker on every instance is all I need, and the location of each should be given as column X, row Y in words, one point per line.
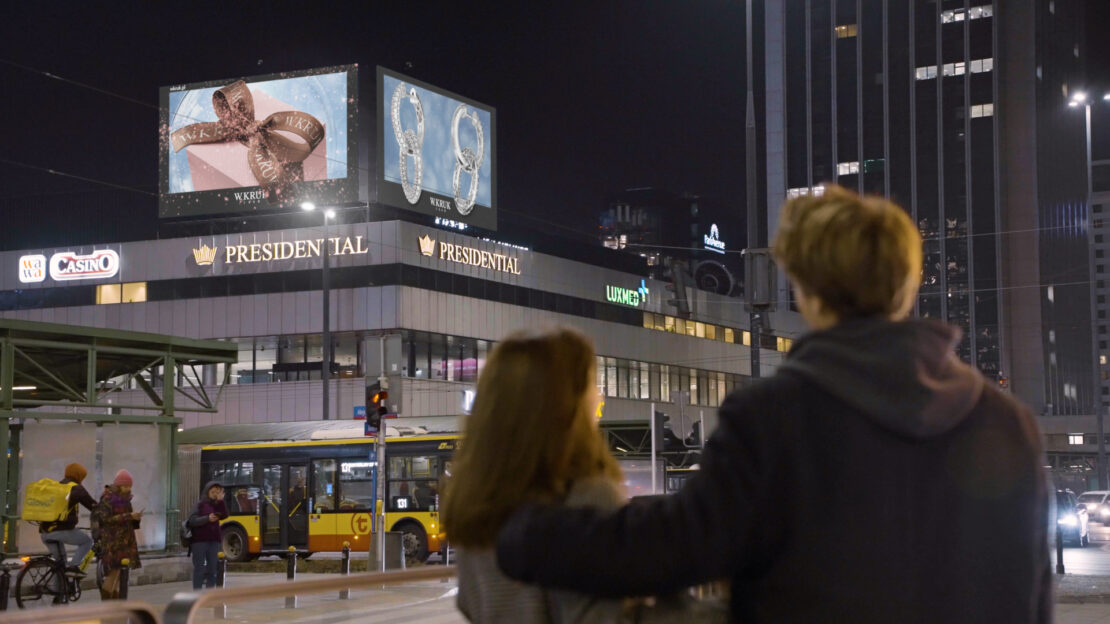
column 55, row 535
column 874, row 478
column 205, row 524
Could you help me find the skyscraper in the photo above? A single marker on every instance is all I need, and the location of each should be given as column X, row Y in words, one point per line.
column 958, row 111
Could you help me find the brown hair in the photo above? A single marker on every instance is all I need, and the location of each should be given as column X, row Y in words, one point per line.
column 861, row 256
column 529, row 436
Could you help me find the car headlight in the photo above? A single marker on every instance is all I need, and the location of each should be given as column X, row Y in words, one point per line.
column 1091, row 506
column 1104, row 511
column 1069, row 520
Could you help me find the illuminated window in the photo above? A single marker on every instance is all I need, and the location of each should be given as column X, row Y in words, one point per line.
column 1102, row 359
column 710, row 331
column 699, row 329
column 1075, row 438
column 649, row 320
column 982, row 110
column 805, row 190
column 783, row 344
column 730, row 335
column 845, row 31
column 959, row 15
column 668, row 324
column 847, row 168
column 747, row 336
column 692, row 328
column 134, row 292
column 926, row 72
column 108, row 293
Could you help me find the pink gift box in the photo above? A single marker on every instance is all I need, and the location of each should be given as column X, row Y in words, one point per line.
column 224, row 165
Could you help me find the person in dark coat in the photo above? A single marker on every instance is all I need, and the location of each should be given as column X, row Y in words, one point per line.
column 55, row 535
column 207, row 539
column 117, row 521
column 873, row 477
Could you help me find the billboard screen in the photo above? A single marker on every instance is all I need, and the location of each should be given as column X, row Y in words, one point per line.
column 437, row 152
column 262, row 143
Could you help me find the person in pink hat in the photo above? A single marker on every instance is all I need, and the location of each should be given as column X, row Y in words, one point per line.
column 118, row 522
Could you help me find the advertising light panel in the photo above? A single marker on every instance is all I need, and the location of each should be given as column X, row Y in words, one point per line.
column 258, row 144
column 437, row 152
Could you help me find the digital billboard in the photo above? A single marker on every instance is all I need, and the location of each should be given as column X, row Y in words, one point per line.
column 262, row 143
column 437, row 151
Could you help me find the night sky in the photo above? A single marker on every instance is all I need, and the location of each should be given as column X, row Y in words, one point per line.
column 591, row 97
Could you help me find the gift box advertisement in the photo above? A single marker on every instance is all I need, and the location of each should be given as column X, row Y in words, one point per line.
column 255, row 144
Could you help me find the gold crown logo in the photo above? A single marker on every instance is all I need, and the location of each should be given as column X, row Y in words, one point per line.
column 205, row 255
column 427, row 245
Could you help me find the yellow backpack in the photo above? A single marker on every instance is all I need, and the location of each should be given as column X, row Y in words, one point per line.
column 46, row 500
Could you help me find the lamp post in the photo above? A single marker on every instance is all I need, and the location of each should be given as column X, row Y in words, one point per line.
column 325, row 367
column 1081, row 98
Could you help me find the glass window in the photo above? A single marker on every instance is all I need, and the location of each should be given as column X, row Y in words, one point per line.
column 108, row 293
column 290, row 350
column 610, row 376
column 242, row 499
column 665, row 382
column 747, row 338
column 414, row 482
column 483, row 351
column 265, row 354
column 345, row 354
column 692, row 328
column 721, row 392
column 622, row 379
column 600, row 366
column 711, row 380
column 323, row 485
column 645, row 381
column 438, row 348
column 241, row 371
column 649, row 320
column 669, row 323
column 134, row 292
column 355, row 491
column 654, row 394
column 660, row 322
column 680, row 326
column 702, row 387
column 699, row 329
column 730, row 335
column 1075, row 438
column 710, row 331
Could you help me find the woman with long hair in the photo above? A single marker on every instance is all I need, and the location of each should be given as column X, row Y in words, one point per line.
column 531, row 436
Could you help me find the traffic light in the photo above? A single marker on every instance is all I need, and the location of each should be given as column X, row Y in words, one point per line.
column 376, row 407
column 676, row 287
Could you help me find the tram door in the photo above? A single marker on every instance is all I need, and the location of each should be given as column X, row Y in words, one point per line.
column 284, row 517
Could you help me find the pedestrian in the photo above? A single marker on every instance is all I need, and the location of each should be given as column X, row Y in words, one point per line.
column 873, row 477
column 207, row 539
column 531, row 436
column 117, row 521
column 55, row 535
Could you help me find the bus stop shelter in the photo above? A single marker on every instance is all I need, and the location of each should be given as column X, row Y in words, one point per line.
column 104, row 398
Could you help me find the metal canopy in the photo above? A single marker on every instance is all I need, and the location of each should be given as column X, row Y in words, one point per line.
column 48, row 364
column 59, row 372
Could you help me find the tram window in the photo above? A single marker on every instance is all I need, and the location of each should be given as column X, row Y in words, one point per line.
column 355, row 491
column 323, row 490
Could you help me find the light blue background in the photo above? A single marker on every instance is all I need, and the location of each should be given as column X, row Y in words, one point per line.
column 438, row 153
column 324, row 97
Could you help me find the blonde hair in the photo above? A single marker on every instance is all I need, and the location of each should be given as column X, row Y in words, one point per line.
column 861, row 256
column 529, row 436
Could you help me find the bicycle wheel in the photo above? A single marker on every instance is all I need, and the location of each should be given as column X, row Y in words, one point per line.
column 101, row 572
column 34, row 584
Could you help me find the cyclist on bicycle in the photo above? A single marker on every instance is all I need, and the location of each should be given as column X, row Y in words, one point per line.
column 55, row 535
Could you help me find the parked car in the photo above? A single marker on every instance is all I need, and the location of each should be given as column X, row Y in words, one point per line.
column 1098, row 505
column 1072, row 518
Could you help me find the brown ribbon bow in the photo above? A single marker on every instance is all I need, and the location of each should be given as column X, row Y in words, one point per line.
column 274, row 160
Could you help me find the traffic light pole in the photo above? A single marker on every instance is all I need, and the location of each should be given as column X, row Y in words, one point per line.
column 383, row 383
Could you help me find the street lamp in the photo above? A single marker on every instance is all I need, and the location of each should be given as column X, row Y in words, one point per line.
column 325, row 367
column 1079, row 98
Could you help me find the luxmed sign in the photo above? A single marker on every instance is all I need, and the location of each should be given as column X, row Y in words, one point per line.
column 627, row 296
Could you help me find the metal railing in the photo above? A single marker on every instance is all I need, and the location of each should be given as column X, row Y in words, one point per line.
column 132, row 612
column 185, row 605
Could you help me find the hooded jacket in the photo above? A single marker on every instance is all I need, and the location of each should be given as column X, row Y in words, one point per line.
column 204, row 530
column 874, row 477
